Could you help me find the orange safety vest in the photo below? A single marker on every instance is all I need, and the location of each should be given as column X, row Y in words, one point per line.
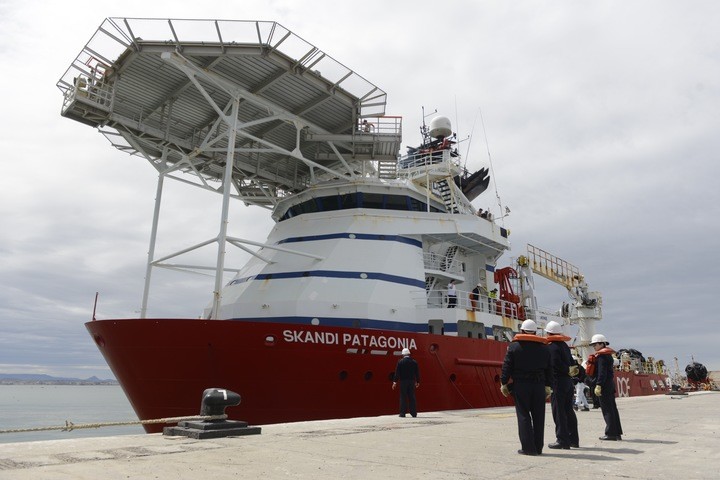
column 558, row 338
column 529, row 337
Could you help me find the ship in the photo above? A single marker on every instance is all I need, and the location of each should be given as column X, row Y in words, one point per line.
column 366, row 240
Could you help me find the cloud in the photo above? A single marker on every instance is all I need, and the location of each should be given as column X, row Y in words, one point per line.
column 601, row 124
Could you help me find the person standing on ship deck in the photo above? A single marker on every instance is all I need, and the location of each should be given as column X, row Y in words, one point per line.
column 452, row 294
column 407, row 373
column 475, row 298
column 527, row 362
column 605, row 387
column 492, row 300
column 561, row 400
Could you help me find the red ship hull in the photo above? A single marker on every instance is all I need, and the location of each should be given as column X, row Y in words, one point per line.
column 289, row 373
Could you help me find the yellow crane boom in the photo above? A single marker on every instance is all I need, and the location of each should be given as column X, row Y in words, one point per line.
column 553, row 268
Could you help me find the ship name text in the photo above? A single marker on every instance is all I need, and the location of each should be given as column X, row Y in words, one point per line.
column 348, row 339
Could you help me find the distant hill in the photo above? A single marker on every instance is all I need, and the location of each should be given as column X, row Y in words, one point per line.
column 42, row 379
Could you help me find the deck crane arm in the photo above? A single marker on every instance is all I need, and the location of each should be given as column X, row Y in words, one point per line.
column 561, row 272
column 585, row 309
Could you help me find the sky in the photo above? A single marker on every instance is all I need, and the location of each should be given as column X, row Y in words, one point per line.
column 601, row 121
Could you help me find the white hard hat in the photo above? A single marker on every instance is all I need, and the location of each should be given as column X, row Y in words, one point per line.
column 599, row 338
column 406, row 351
column 553, row 327
column 528, row 325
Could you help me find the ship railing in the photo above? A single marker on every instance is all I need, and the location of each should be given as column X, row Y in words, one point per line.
column 90, row 91
column 380, row 125
column 440, row 263
column 90, row 83
column 541, row 312
column 642, row 367
column 420, row 160
column 466, row 300
column 652, row 367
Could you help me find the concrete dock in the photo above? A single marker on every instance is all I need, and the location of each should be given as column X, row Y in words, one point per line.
column 665, row 437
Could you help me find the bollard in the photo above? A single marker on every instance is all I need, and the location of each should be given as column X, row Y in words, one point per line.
column 214, row 402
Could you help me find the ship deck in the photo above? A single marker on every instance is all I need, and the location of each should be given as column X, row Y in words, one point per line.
column 665, row 437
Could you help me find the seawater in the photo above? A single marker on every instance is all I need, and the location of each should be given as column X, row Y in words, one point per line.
column 30, row 406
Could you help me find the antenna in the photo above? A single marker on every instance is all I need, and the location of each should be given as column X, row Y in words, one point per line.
column 95, row 306
column 492, row 169
column 424, row 130
column 472, row 130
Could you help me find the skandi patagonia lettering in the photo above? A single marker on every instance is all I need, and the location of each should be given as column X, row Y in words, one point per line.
column 348, row 339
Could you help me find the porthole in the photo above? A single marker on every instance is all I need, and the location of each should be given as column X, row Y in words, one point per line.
column 343, row 375
column 368, row 376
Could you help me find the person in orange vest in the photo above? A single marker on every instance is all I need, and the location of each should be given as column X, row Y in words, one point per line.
column 527, row 362
column 561, row 401
column 605, row 387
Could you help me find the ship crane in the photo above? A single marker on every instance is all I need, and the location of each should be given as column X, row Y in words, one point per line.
column 585, row 307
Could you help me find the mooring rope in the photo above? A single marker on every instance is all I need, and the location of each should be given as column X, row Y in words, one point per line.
column 69, row 426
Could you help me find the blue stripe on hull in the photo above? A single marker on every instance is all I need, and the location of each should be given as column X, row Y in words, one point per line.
column 349, row 323
column 335, row 274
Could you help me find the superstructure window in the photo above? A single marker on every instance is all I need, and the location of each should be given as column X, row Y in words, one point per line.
column 397, row 202
column 358, row 200
column 373, row 200
column 328, row 204
column 349, row 200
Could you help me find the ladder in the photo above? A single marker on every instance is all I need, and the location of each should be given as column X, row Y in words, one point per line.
column 448, row 196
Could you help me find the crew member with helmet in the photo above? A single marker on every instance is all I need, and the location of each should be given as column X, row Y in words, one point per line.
column 605, row 387
column 527, row 362
column 564, row 369
column 407, row 373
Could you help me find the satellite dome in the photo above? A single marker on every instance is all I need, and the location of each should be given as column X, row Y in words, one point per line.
column 440, row 127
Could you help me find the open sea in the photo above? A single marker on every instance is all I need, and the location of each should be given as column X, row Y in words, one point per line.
column 29, row 406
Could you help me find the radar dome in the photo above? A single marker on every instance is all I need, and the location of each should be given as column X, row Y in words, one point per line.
column 440, row 127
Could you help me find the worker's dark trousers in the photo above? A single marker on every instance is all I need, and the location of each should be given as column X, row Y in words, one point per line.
column 530, row 410
column 407, row 397
column 566, row 428
column 609, row 410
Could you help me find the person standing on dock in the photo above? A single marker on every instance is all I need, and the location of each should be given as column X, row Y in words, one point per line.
column 407, row 374
column 581, row 403
column 527, row 362
column 605, row 387
column 561, row 401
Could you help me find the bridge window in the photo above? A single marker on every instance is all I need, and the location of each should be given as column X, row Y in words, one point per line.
column 358, row 200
